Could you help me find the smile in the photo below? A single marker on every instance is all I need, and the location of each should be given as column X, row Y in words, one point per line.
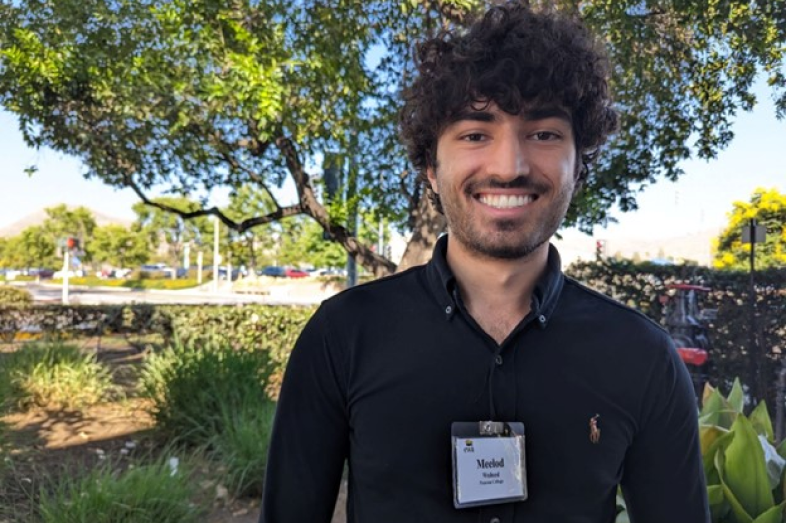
column 503, row 201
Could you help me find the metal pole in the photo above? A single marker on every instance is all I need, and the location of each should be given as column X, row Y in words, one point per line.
column 216, row 259
column 381, row 247
column 780, row 389
column 66, row 264
column 352, row 275
column 754, row 353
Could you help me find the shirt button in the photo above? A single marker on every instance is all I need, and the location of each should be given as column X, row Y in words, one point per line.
column 498, row 360
column 494, row 520
column 448, row 309
column 542, row 318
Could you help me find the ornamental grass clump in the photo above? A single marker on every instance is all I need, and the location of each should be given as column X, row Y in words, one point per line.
column 150, row 492
column 56, row 375
column 194, row 390
column 242, row 447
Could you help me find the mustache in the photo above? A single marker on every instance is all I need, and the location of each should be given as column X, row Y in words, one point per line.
column 519, row 182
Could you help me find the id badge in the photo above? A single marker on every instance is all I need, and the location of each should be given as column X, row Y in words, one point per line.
column 489, row 465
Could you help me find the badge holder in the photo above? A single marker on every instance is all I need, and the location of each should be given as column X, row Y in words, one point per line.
column 489, row 465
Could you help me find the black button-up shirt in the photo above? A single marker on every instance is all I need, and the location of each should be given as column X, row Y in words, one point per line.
column 382, row 370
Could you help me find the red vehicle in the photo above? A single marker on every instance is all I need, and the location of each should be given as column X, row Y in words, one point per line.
column 688, row 325
column 295, row 273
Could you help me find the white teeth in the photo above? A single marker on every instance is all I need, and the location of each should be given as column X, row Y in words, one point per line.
column 505, row 201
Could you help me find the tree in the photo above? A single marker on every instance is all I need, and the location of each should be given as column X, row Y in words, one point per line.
column 168, row 233
column 119, row 246
column 248, row 246
column 32, row 248
column 62, row 223
column 768, row 208
column 191, row 96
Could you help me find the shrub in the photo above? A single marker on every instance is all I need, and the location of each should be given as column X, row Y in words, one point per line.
column 53, row 375
column 744, row 469
column 152, row 492
column 194, row 390
column 242, row 447
column 14, row 296
column 272, row 330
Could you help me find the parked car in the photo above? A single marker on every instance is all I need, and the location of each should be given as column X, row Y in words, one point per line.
column 276, row 272
column 295, row 273
column 44, row 274
column 332, row 272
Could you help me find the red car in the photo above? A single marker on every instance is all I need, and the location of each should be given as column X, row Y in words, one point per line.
column 295, row 273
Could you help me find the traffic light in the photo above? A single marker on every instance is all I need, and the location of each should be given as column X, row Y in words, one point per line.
column 600, row 249
column 72, row 243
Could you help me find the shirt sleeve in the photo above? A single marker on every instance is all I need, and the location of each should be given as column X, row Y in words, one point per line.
column 309, row 442
column 663, row 477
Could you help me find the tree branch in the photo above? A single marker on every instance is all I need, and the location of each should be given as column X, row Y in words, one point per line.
column 311, row 206
column 240, row 227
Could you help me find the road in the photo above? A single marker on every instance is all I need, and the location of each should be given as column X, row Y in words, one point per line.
column 47, row 293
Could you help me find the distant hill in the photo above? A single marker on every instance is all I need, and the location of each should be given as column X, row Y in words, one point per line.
column 38, row 217
column 695, row 246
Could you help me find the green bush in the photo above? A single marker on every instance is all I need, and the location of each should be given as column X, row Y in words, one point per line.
column 144, row 493
column 249, row 327
column 744, row 469
column 53, row 375
column 242, row 447
column 272, row 330
column 14, row 296
column 193, row 390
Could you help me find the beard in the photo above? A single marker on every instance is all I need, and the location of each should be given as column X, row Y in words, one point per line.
column 504, row 239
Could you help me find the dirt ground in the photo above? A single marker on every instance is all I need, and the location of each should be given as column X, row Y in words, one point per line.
column 44, row 444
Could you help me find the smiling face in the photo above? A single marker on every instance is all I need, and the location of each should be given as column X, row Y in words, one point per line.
column 505, row 181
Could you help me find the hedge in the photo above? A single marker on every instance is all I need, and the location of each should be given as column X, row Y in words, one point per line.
column 244, row 327
column 275, row 328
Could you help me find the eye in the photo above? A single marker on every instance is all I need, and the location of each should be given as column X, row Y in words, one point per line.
column 474, row 137
column 545, row 136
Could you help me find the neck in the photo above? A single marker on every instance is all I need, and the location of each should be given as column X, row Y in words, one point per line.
column 496, row 284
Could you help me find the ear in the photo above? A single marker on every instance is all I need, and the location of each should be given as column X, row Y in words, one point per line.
column 432, row 179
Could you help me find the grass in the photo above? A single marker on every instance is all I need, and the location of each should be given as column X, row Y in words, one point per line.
column 242, row 448
column 151, row 492
column 53, row 375
column 193, row 391
column 215, row 399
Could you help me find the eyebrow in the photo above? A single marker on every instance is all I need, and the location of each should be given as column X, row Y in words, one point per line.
column 530, row 115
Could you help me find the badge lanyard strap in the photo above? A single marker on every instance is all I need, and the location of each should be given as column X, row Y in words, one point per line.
column 490, row 381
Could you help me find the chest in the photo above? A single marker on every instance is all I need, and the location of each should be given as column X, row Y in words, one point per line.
column 497, row 323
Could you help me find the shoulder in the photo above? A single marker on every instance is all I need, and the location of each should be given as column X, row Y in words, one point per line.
column 378, row 295
column 581, row 301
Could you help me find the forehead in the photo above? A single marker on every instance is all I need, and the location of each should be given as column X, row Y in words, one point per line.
column 491, row 112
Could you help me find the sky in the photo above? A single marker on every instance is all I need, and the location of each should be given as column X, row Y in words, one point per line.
column 698, row 201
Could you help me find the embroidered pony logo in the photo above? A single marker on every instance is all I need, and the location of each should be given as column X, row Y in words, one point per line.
column 594, row 430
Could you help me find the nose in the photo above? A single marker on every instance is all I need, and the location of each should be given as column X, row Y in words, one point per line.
column 510, row 158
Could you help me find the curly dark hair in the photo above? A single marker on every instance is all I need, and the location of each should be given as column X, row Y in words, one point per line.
column 512, row 56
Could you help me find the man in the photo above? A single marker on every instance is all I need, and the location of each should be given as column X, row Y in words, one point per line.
column 563, row 393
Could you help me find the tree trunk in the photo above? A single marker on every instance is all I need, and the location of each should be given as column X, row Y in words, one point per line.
column 428, row 224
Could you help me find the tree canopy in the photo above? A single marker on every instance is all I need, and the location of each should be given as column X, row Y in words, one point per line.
column 191, row 96
column 768, row 208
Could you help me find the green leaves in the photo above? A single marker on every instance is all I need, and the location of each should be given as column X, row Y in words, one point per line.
column 768, row 208
column 741, row 465
column 745, row 472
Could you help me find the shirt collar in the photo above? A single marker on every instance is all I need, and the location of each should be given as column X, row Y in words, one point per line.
column 544, row 298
